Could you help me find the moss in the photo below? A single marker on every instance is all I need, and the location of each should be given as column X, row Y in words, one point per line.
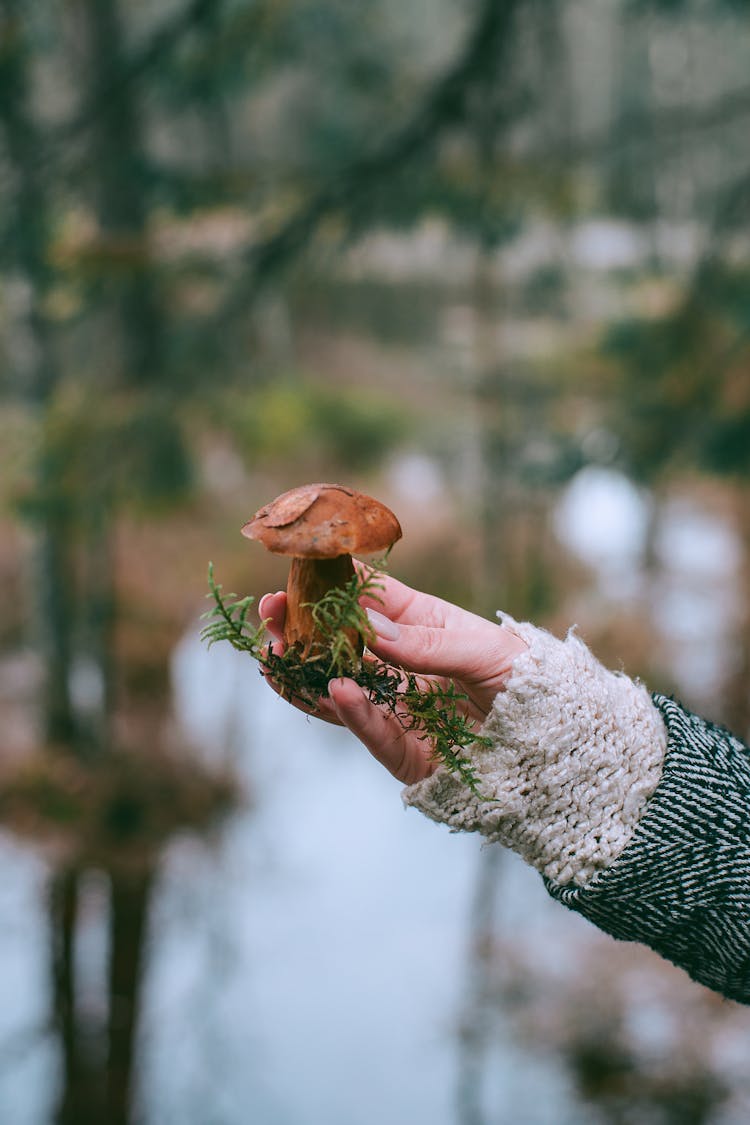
column 432, row 710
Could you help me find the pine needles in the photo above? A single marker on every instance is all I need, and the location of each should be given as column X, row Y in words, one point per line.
column 432, row 710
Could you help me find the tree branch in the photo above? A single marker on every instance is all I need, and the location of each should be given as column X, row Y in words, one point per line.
column 446, row 104
column 162, row 43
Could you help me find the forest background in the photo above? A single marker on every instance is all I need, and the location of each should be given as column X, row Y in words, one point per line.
column 488, row 261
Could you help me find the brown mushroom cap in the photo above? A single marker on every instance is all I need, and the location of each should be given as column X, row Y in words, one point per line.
column 322, row 521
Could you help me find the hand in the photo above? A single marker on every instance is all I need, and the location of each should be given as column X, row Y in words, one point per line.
column 424, row 635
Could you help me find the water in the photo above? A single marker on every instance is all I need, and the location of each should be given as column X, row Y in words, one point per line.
column 336, row 920
column 28, row 1059
column 309, row 963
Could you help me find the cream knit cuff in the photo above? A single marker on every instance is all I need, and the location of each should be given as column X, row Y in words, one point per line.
column 576, row 753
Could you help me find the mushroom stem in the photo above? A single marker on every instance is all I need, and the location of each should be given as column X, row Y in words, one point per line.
column 309, row 580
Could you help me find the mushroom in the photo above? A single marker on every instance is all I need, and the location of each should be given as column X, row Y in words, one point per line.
column 320, row 526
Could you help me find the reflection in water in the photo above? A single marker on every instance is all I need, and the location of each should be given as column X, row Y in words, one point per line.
column 337, row 922
column 474, row 1031
column 103, row 823
column 97, row 1079
column 307, row 964
column 28, row 1058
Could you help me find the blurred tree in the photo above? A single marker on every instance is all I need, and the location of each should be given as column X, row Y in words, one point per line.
column 115, row 339
column 683, row 409
column 84, row 457
column 166, row 166
column 26, row 243
column 110, row 311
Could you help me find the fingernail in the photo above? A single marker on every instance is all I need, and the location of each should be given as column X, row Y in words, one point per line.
column 388, row 630
column 337, row 683
column 332, row 684
column 264, row 600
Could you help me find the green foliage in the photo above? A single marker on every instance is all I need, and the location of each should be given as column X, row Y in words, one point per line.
column 683, row 395
column 227, row 621
column 727, row 448
column 128, row 449
column 339, row 617
column 432, row 710
column 345, row 59
column 305, row 421
column 156, row 471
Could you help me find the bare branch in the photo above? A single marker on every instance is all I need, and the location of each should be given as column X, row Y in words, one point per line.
column 446, row 104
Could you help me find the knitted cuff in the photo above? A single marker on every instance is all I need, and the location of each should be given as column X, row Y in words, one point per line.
column 576, row 753
column 682, row 886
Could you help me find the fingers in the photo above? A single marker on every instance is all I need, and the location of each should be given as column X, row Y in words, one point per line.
column 412, row 607
column 272, row 610
column 401, row 752
column 406, row 605
column 390, row 597
column 422, row 634
column 470, row 655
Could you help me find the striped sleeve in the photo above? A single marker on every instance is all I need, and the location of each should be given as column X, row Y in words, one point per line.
column 682, row 884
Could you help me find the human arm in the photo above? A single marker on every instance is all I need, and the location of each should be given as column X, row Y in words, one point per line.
column 636, row 812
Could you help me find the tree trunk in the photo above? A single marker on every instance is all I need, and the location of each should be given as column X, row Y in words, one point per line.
column 52, row 583
column 118, row 165
column 81, row 1094
column 129, row 302
column 474, row 1034
column 130, row 899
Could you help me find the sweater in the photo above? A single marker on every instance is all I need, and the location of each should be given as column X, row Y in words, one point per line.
column 635, row 811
